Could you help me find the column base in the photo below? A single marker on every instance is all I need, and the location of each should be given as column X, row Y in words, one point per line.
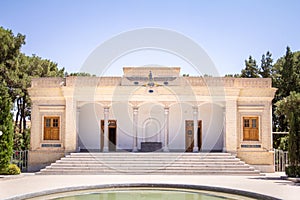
column 166, row 149
column 195, row 149
column 135, row 149
column 105, row 150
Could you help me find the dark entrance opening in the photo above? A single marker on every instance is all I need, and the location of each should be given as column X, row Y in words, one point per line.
column 189, row 135
column 112, row 135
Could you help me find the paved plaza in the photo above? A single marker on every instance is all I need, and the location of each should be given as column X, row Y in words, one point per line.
column 27, row 184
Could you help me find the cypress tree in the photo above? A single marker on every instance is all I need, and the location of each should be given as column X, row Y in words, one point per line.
column 6, row 128
column 251, row 69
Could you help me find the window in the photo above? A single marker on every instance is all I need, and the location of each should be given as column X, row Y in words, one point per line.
column 250, row 128
column 51, row 128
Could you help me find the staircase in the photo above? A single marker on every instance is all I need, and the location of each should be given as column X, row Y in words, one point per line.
column 149, row 163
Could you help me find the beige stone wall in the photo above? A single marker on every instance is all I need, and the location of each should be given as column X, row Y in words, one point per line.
column 42, row 158
column 40, row 109
column 262, row 160
column 239, row 96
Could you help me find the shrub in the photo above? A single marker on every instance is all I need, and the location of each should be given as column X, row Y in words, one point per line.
column 11, row 170
column 292, row 171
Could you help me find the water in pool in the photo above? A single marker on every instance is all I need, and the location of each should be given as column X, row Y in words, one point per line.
column 146, row 194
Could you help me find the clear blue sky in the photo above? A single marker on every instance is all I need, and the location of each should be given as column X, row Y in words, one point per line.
column 67, row 31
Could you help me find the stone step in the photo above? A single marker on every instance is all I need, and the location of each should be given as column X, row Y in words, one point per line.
column 149, row 163
column 165, row 172
column 147, row 167
column 150, row 159
column 151, row 156
column 156, row 154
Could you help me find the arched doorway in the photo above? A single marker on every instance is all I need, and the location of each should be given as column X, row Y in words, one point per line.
column 152, row 130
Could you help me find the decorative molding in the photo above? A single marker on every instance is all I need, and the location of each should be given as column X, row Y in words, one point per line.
column 51, row 108
column 251, row 108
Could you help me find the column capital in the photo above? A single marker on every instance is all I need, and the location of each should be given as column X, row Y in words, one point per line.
column 135, row 103
column 135, row 111
column 195, row 110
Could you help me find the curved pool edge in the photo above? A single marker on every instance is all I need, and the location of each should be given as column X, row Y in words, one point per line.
column 249, row 194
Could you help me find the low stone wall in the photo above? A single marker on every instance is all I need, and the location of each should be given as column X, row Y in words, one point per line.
column 40, row 159
column 261, row 160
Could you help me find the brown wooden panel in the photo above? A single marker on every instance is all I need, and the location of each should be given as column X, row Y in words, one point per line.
column 55, row 134
column 250, row 128
column 200, row 134
column 189, row 135
column 47, row 134
column 51, row 128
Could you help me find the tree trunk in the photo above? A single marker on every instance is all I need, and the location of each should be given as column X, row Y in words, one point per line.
column 24, row 116
column 17, row 116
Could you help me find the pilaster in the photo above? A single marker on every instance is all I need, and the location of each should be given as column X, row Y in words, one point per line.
column 231, row 125
column 70, row 125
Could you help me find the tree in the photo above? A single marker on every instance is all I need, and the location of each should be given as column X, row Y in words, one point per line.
column 266, row 65
column 6, row 129
column 9, row 49
column 17, row 70
column 233, row 75
column 251, row 69
column 28, row 67
column 286, row 79
column 289, row 107
column 80, row 74
column 285, row 74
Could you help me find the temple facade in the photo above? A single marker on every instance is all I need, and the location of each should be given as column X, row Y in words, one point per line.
column 152, row 109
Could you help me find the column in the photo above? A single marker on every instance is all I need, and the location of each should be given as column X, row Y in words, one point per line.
column 195, row 115
column 135, row 129
column 106, row 141
column 77, row 129
column 36, row 130
column 166, row 130
column 231, row 125
column 70, row 125
column 224, row 131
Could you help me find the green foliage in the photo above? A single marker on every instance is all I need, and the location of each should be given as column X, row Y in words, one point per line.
column 17, row 70
column 289, row 108
column 292, row 171
column 285, row 74
column 284, row 142
column 12, row 169
column 233, row 75
column 251, row 69
column 6, row 128
column 266, row 66
column 80, row 74
column 286, row 77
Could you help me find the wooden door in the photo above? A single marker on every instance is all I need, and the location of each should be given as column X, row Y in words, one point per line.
column 51, row 128
column 250, row 128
